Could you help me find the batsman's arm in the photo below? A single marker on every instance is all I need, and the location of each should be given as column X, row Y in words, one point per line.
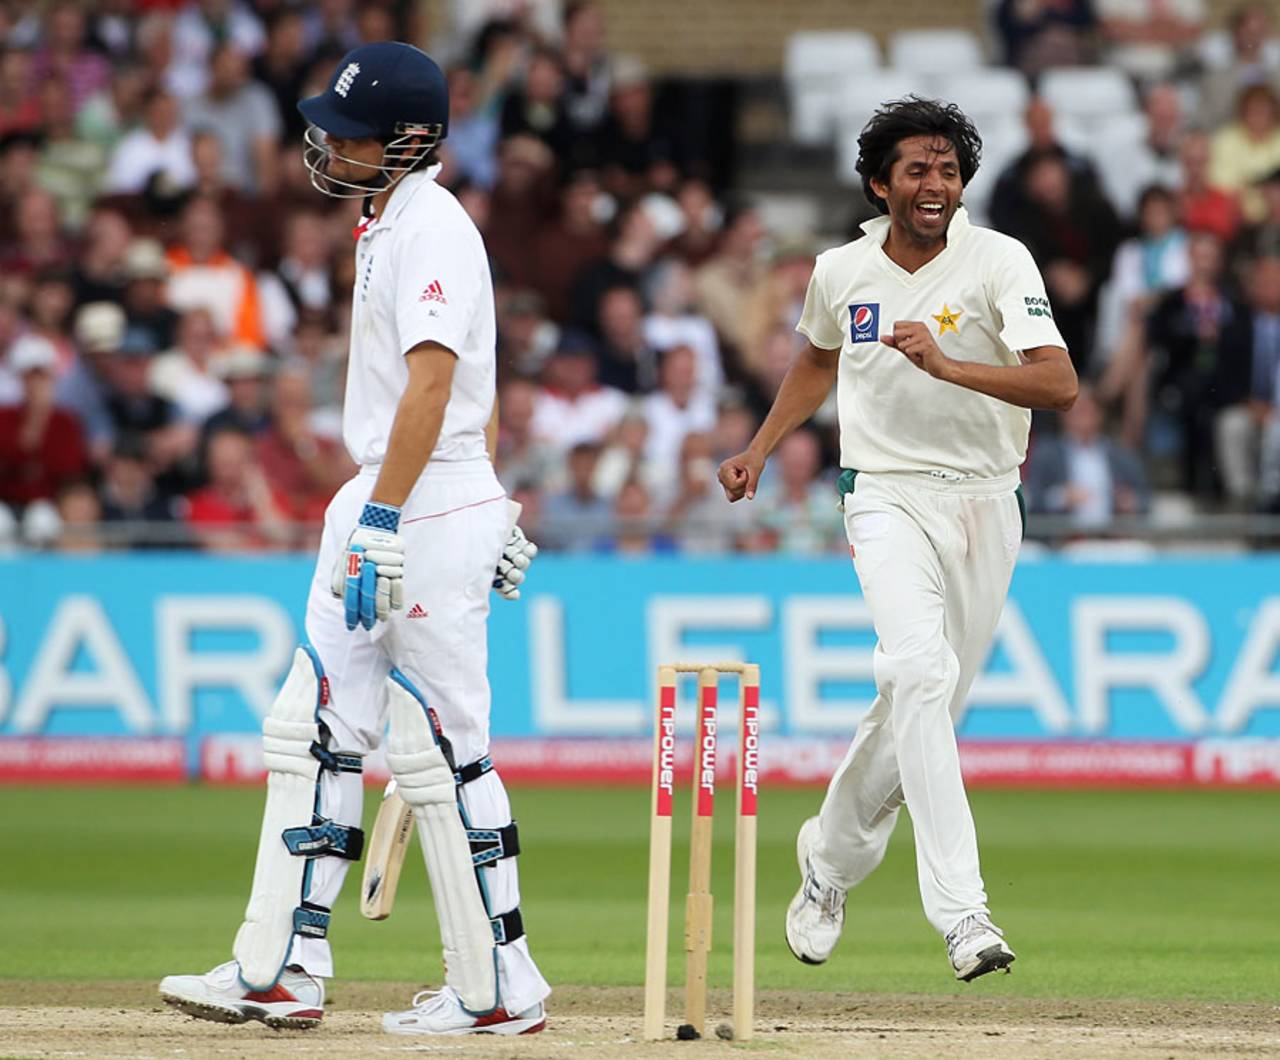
column 804, row 388
column 419, row 417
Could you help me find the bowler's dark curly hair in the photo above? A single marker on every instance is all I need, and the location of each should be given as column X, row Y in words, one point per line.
column 903, row 119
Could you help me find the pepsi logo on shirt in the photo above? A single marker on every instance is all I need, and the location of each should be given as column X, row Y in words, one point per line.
column 864, row 322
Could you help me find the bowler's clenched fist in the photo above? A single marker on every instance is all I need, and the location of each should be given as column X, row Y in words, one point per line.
column 740, row 474
column 916, row 342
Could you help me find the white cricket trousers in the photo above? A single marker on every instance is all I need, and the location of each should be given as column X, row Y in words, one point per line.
column 454, row 525
column 934, row 557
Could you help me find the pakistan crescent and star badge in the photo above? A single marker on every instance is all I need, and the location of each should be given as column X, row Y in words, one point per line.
column 947, row 319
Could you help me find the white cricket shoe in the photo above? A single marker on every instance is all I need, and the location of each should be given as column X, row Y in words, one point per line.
column 297, row 999
column 815, row 916
column 440, row 1012
column 976, row 946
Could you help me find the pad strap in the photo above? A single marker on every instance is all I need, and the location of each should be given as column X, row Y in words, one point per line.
column 311, row 920
column 507, row 927
column 473, row 771
column 493, row 844
column 324, row 837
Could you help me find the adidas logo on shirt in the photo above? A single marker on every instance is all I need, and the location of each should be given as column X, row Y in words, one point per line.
column 433, row 293
column 417, row 611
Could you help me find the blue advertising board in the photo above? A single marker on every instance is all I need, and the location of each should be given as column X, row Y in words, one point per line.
column 193, row 645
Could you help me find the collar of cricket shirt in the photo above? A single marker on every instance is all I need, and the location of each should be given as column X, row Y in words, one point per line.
column 405, row 189
column 878, row 229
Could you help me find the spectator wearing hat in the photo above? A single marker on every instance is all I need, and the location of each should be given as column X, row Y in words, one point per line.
column 245, row 371
column 99, row 332
column 572, row 405
column 137, row 411
column 41, row 445
column 203, row 274
column 244, row 116
column 146, row 273
column 637, row 153
column 161, row 147
column 237, row 510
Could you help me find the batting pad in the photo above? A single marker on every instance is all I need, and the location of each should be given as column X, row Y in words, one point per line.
column 426, row 780
column 294, row 750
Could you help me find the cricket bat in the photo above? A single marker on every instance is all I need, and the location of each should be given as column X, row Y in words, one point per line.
column 393, row 830
column 384, row 858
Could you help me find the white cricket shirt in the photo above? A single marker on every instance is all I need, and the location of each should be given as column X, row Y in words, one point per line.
column 982, row 299
column 421, row 275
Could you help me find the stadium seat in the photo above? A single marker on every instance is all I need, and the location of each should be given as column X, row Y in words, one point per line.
column 929, row 52
column 859, row 98
column 816, row 64
column 1088, row 92
column 987, row 95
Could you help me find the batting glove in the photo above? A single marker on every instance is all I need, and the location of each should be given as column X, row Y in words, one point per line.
column 369, row 575
column 517, row 555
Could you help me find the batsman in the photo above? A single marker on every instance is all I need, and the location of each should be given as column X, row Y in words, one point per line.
column 399, row 602
column 939, row 340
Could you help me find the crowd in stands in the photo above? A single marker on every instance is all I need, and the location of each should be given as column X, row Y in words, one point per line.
column 174, row 295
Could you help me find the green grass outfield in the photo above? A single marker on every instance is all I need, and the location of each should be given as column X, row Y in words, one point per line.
column 1151, row 894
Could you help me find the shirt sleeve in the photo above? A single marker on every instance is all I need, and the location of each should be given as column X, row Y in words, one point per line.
column 1021, row 303
column 438, row 287
column 818, row 323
